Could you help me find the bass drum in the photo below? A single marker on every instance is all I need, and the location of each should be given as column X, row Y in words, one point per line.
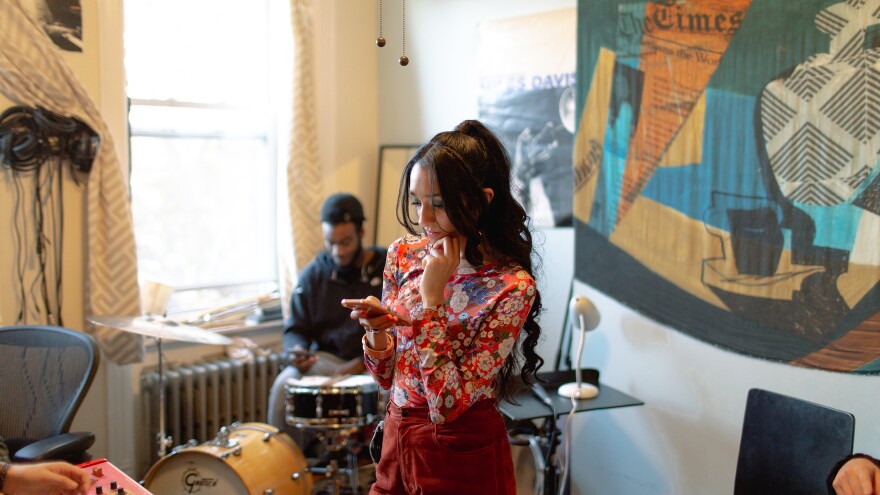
column 244, row 459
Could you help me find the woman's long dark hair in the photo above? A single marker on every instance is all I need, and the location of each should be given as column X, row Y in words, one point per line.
column 463, row 162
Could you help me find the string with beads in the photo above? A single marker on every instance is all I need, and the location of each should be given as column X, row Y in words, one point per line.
column 380, row 41
column 404, row 60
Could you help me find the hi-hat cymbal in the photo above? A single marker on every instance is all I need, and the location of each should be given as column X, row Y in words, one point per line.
column 161, row 328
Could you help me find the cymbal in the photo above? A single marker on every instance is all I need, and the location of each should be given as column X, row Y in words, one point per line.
column 161, row 328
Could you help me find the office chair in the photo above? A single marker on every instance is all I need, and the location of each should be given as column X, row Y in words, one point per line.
column 45, row 372
column 789, row 445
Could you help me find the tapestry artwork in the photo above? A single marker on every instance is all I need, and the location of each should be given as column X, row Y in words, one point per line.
column 726, row 180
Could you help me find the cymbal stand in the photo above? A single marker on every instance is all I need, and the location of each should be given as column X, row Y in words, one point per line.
column 163, row 440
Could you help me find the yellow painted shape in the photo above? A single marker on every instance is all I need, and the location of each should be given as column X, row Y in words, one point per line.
column 590, row 137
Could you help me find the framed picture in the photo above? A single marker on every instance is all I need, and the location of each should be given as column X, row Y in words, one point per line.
column 392, row 161
column 527, row 96
column 60, row 19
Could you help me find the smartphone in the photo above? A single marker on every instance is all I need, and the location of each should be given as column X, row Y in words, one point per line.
column 374, row 309
column 299, row 353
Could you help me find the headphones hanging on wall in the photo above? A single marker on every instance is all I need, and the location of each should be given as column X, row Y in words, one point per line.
column 82, row 147
column 20, row 147
column 28, row 137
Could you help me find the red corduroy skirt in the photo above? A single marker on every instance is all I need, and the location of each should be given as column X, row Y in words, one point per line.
column 468, row 455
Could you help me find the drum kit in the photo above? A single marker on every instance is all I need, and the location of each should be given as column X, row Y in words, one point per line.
column 338, row 407
column 257, row 458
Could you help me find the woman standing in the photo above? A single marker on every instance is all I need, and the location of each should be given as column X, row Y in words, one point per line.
column 465, row 281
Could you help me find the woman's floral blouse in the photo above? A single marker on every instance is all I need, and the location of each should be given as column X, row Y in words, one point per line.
column 449, row 358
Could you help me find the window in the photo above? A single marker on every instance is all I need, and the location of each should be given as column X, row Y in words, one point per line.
column 204, row 144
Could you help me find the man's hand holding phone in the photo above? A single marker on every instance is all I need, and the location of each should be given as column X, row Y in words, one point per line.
column 301, row 358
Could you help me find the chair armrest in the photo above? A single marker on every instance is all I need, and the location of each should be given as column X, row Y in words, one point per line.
column 67, row 446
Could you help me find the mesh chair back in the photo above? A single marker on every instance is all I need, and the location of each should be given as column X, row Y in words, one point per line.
column 45, row 372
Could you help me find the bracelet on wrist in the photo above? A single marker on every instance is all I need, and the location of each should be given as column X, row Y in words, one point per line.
column 378, row 354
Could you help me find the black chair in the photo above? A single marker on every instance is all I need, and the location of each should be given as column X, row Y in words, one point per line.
column 789, row 445
column 45, row 372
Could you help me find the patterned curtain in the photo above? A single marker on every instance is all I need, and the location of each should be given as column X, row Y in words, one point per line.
column 33, row 74
column 304, row 184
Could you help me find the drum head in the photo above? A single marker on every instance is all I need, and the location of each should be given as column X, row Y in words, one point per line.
column 194, row 471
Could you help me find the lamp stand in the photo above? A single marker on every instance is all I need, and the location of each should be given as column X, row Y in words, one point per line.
column 578, row 389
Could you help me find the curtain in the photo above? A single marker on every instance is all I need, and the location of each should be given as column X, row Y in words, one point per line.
column 32, row 74
column 304, row 183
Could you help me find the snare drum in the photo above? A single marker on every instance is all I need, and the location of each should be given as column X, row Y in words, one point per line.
column 247, row 458
column 319, row 402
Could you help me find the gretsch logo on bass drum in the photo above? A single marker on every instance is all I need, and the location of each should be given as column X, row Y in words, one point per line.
column 193, row 482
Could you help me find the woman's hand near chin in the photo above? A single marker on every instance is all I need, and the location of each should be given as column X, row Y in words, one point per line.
column 440, row 263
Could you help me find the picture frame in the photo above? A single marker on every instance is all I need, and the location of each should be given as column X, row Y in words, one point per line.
column 392, row 161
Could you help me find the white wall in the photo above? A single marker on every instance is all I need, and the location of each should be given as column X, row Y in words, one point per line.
column 438, row 88
column 346, row 97
column 685, row 439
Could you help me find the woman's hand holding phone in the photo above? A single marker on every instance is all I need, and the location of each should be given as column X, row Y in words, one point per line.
column 375, row 319
column 371, row 312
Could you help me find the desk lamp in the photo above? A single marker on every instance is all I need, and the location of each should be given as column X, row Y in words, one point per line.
column 584, row 314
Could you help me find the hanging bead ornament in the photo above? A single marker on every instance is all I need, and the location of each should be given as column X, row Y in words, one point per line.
column 380, row 41
column 404, row 60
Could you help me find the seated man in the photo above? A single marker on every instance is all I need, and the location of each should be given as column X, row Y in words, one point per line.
column 320, row 336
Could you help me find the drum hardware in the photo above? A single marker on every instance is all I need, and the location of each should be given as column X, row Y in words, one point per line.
column 159, row 327
column 331, row 472
column 189, row 444
column 336, row 408
column 542, row 443
column 336, row 441
column 537, row 446
column 222, row 439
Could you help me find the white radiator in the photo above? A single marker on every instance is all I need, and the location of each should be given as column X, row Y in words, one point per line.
column 202, row 397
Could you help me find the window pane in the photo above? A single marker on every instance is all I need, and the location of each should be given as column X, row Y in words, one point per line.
column 209, row 51
column 203, row 147
column 155, row 119
column 204, row 210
